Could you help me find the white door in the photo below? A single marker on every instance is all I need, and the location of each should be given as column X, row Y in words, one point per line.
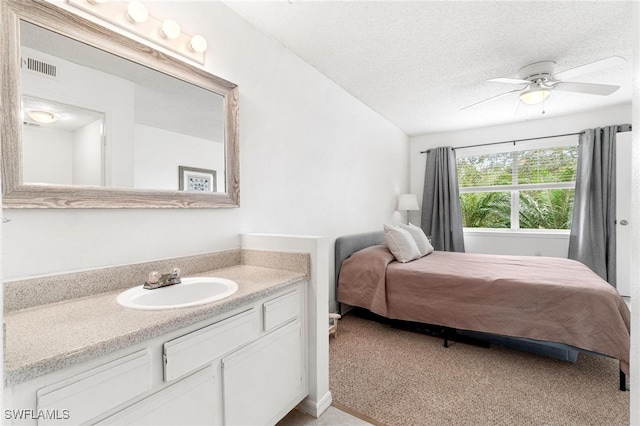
column 623, row 212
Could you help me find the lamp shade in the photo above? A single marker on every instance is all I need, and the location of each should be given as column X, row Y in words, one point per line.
column 408, row 202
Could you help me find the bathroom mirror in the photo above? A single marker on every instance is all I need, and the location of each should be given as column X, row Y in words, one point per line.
column 94, row 119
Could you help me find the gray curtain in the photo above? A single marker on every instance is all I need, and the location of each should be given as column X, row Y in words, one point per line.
column 593, row 226
column 441, row 216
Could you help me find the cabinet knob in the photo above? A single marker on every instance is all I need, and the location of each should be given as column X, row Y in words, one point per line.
column 624, row 222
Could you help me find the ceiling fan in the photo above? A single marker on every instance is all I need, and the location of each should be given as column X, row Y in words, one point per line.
column 538, row 80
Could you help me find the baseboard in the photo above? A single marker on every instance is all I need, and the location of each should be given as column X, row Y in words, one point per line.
column 316, row 408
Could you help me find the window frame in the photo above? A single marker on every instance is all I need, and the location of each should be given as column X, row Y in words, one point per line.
column 514, row 189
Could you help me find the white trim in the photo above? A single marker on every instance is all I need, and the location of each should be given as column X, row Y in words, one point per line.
column 515, row 210
column 521, row 187
column 561, row 234
column 316, row 408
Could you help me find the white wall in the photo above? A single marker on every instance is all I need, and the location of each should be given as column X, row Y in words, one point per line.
column 158, row 157
column 522, row 243
column 527, row 243
column 87, row 154
column 313, row 160
column 47, row 155
column 634, row 402
column 58, row 156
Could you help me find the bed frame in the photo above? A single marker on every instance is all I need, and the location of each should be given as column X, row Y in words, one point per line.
column 346, row 245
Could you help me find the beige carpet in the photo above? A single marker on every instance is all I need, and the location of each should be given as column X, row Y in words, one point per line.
column 399, row 377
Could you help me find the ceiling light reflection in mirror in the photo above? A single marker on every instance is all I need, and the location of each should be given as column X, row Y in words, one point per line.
column 62, row 144
column 153, row 123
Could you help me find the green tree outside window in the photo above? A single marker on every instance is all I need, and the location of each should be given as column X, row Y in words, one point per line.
column 541, row 181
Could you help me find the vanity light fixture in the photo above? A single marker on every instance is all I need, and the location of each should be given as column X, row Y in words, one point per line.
column 134, row 17
column 44, row 117
column 198, row 44
column 137, row 12
column 170, row 29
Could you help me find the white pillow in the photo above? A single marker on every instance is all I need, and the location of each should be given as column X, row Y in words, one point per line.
column 401, row 244
column 424, row 246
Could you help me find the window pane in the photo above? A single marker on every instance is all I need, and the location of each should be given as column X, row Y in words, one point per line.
column 486, row 209
column 485, row 170
column 546, row 209
column 548, row 165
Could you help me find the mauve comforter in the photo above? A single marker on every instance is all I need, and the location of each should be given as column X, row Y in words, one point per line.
column 543, row 298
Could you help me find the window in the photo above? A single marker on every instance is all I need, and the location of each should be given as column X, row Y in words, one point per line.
column 525, row 187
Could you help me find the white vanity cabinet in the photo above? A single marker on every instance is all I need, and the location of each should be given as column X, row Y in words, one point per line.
column 189, row 401
column 86, row 394
column 264, row 380
column 246, row 367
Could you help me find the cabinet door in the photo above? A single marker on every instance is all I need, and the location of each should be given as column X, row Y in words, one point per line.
column 190, row 401
column 264, row 380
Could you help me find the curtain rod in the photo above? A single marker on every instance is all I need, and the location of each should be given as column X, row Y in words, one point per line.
column 623, row 128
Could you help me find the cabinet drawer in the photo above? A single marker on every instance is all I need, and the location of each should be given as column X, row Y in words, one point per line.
column 281, row 310
column 86, row 395
column 191, row 351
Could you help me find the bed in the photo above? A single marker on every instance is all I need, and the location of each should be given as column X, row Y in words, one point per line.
column 550, row 306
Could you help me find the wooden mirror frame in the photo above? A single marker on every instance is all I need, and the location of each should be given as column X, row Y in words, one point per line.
column 16, row 194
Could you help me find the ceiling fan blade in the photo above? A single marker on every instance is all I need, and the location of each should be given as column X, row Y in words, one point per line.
column 602, row 64
column 590, row 88
column 509, row 80
column 491, row 98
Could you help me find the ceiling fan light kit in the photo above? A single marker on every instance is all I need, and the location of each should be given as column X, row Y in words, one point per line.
column 539, row 80
column 535, row 96
column 536, row 76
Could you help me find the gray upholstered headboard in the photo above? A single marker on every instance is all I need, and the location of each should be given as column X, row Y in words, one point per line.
column 349, row 244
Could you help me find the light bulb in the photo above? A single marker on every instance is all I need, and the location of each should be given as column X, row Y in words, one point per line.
column 198, row 44
column 137, row 12
column 170, row 29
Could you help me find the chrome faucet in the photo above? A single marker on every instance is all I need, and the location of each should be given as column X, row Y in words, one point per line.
column 157, row 280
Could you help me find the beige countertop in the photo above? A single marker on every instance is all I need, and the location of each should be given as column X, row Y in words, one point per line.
column 46, row 338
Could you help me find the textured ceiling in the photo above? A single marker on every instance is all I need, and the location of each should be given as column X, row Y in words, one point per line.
column 418, row 62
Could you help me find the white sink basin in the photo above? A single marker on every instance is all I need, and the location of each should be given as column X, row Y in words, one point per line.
column 190, row 292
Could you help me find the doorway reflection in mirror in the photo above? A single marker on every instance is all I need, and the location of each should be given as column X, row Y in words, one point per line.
column 62, row 144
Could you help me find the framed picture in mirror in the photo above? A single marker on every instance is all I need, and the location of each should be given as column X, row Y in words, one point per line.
column 193, row 179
